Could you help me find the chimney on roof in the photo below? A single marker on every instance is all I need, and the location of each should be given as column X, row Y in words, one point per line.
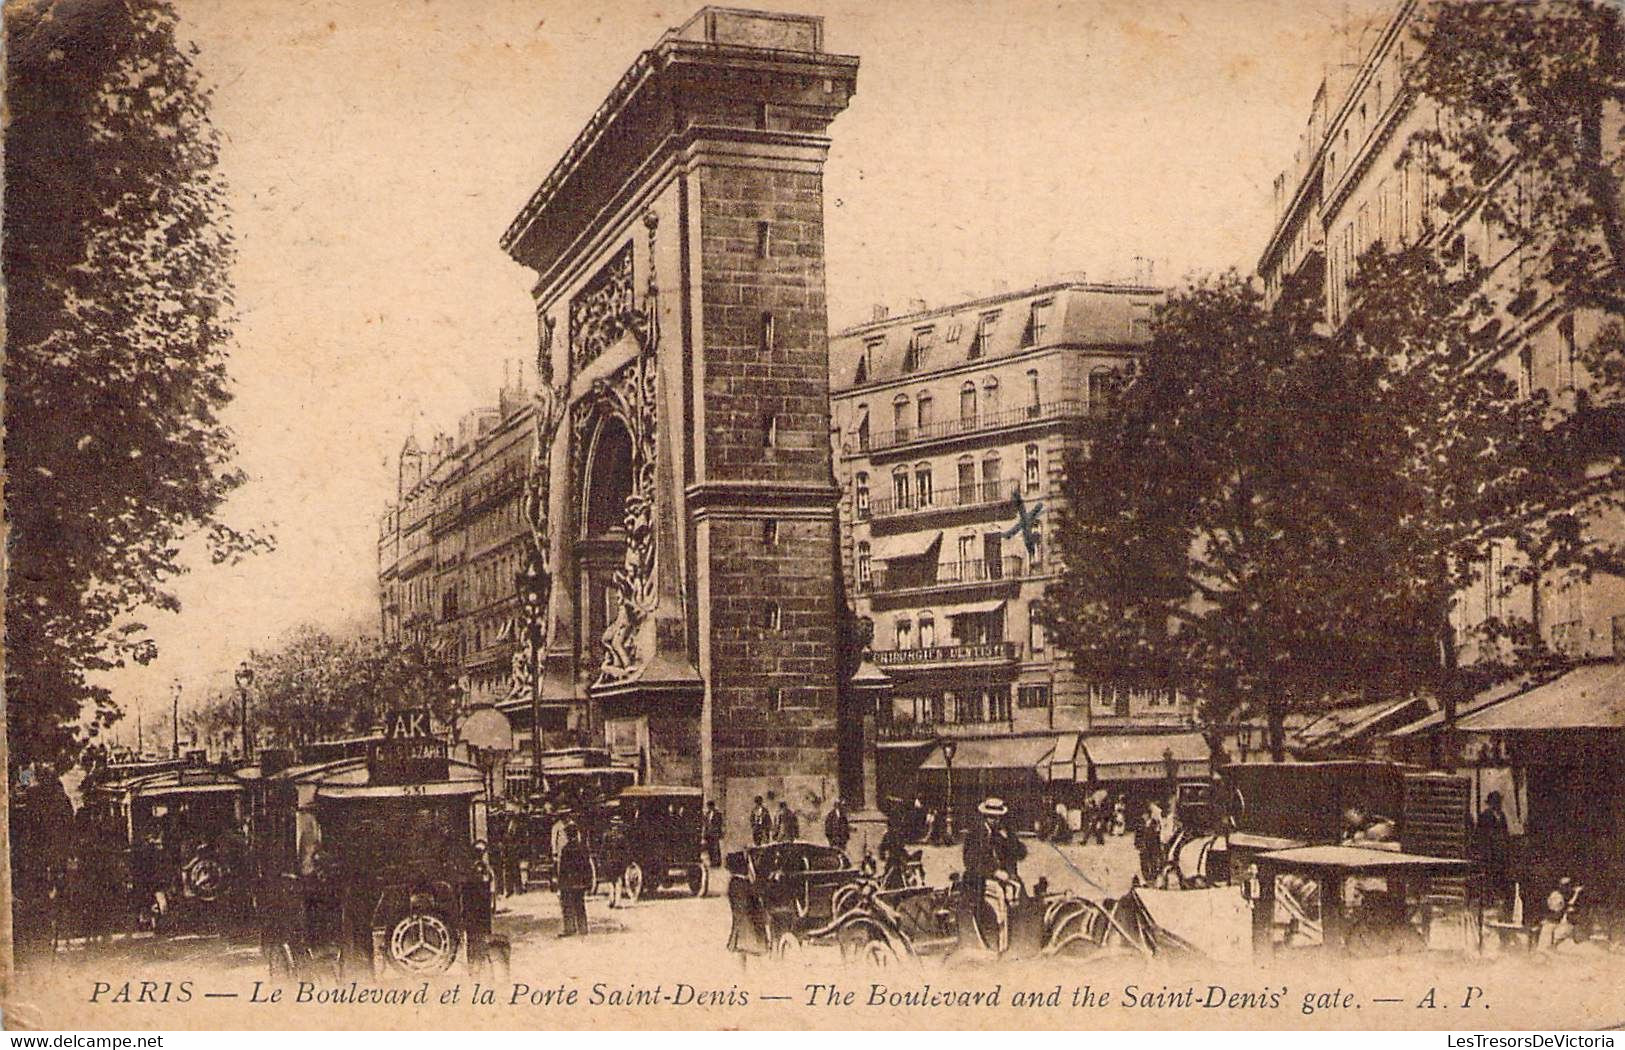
column 917, row 306
column 879, row 312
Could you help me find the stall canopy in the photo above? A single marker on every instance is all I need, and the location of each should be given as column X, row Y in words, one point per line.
column 1586, row 698
column 1343, row 726
column 1021, row 752
column 1062, row 762
column 1144, row 756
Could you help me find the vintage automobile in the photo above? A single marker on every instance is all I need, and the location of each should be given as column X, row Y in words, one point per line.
column 179, row 839
column 788, row 891
column 569, row 793
column 1350, row 900
column 375, row 865
column 646, row 838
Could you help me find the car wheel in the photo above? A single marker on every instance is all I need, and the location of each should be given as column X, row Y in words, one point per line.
column 422, row 942
column 699, row 880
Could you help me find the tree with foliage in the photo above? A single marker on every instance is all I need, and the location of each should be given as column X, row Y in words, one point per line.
column 117, row 264
column 315, row 686
column 1530, row 99
column 1529, row 137
column 1274, row 518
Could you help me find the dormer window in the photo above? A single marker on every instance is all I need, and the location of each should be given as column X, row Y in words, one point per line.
column 1038, row 323
column 914, row 359
column 984, row 333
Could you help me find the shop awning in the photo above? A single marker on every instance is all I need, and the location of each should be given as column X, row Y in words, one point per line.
column 1063, row 760
column 1144, row 756
column 978, row 609
column 908, row 547
column 1586, row 698
column 1344, row 725
column 1488, row 697
column 1018, row 753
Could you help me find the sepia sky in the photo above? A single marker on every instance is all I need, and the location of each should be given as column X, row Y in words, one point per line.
column 377, row 149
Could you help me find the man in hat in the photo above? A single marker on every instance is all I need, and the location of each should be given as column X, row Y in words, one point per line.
column 1492, row 846
column 786, row 826
column 837, row 829
column 991, row 851
column 574, row 880
column 761, row 823
column 713, row 834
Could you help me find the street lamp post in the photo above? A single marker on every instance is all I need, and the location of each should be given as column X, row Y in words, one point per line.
column 175, row 719
column 948, row 749
column 245, row 678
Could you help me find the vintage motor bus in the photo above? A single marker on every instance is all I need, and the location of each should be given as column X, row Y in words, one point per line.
column 376, row 865
column 178, row 835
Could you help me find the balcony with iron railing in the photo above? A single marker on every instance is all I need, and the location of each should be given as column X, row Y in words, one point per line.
column 947, row 429
column 887, row 579
column 947, row 655
column 958, row 497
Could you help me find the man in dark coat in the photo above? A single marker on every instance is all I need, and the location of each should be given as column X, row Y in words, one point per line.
column 990, row 852
column 837, row 829
column 1492, row 844
column 575, row 879
column 786, row 826
column 761, row 823
column 713, row 834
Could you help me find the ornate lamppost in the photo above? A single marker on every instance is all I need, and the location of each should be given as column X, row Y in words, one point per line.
column 948, row 749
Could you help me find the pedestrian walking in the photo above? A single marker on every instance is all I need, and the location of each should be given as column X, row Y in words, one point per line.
column 991, row 853
column 761, row 823
column 837, row 828
column 713, row 834
column 786, row 826
column 574, row 880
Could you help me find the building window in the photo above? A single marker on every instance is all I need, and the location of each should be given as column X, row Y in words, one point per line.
column 770, row 431
column 984, row 333
column 967, row 552
column 899, row 417
column 928, row 630
column 914, row 358
column 922, row 409
column 967, row 404
column 998, row 704
column 767, row 331
column 1038, row 322
column 967, row 481
column 900, row 489
column 1029, row 697
column 770, row 533
column 772, row 616
column 1100, row 390
column 990, row 475
column 863, row 428
column 1030, row 470
column 860, row 496
column 922, row 484
column 954, row 329
column 1037, row 393
column 764, row 239
column 865, row 565
column 905, row 634
column 1036, row 639
column 990, row 396
column 862, row 375
column 775, row 699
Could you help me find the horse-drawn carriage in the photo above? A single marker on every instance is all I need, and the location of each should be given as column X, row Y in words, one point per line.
column 791, row 895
